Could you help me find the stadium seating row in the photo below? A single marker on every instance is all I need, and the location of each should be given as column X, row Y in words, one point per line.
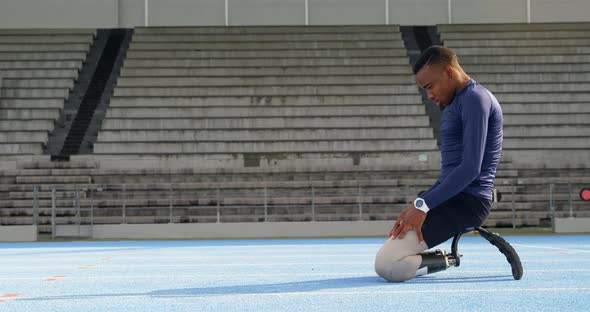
column 293, row 119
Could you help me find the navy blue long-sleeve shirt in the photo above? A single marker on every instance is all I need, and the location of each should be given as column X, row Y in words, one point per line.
column 471, row 146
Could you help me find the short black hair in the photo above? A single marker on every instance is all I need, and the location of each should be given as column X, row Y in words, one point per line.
column 436, row 55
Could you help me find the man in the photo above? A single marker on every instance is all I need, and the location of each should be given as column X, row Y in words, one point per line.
column 471, row 147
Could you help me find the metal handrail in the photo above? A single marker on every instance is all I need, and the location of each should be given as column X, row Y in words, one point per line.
column 84, row 200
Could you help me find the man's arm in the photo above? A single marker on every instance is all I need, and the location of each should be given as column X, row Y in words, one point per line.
column 474, row 116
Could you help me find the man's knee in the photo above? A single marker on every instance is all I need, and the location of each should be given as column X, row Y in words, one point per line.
column 394, row 271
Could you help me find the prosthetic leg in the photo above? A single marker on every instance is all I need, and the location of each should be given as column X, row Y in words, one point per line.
column 506, row 249
column 439, row 260
column 436, row 261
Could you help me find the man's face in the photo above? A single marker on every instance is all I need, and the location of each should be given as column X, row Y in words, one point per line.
column 436, row 80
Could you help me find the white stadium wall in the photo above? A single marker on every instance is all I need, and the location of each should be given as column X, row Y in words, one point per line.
column 131, row 13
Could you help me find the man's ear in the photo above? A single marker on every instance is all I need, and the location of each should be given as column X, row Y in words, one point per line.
column 450, row 71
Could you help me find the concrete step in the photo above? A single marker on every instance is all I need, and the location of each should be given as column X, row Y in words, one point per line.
column 43, row 204
column 186, row 178
column 33, row 103
column 34, row 93
column 547, row 143
column 266, row 71
column 264, row 147
column 29, row 113
column 536, row 196
column 547, row 131
column 9, row 159
column 546, row 119
column 271, row 123
column 529, row 197
column 548, row 158
column 320, row 181
column 264, row 111
column 492, row 35
column 252, row 196
column 190, row 30
column 40, row 64
column 266, row 90
column 53, row 179
column 286, row 37
column 542, row 97
column 43, row 56
column 34, row 47
column 531, row 216
column 166, row 60
column 519, row 78
column 46, row 195
column 521, row 206
column 266, row 46
column 263, row 81
column 522, row 51
column 190, row 180
column 53, row 39
column 38, row 83
column 276, row 161
column 23, row 136
column 545, row 181
column 285, row 100
column 555, row 172
column 538, row 87
column 58, row 171
column 512, row 27
column 513, row 108
column 26, row 125
column 76, row 163
column 262, row 135
column 46, row 31
column 39, row 73
column 526, row 68
column 556, row 58
column 505, row 220
column 163, row 200
column 192, row 52
column 337, row 176
column 21, row 148
column 543, row 43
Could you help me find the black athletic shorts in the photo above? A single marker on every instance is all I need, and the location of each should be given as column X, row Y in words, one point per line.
column 454, row 216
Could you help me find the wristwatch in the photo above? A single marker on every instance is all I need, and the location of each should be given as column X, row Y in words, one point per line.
column 420, row 204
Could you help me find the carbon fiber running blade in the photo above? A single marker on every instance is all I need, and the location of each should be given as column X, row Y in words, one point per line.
column 507, row 250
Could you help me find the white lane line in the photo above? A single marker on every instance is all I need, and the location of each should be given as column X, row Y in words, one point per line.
column 153, row 296
column 272, row 275
column 265, row 264
column 524, row 260
column 208, row 276
column 196, row 265
column 552, row 248
column 205, row 257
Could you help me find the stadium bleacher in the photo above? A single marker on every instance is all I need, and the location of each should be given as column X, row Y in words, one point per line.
column 540, row 74
column 36, row 83
column 38, row 70
column 259, row 96
column 250, row 124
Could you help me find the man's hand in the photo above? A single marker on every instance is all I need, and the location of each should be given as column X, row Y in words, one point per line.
column 410, row 219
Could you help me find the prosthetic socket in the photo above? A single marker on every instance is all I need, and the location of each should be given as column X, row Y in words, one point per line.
column 436, row 261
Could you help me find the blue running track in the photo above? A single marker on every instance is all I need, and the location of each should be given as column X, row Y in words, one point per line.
column 286, row 275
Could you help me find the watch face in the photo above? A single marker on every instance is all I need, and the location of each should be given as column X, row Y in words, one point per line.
column 419, row 203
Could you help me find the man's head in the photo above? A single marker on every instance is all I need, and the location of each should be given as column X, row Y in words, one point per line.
column 438, row 72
